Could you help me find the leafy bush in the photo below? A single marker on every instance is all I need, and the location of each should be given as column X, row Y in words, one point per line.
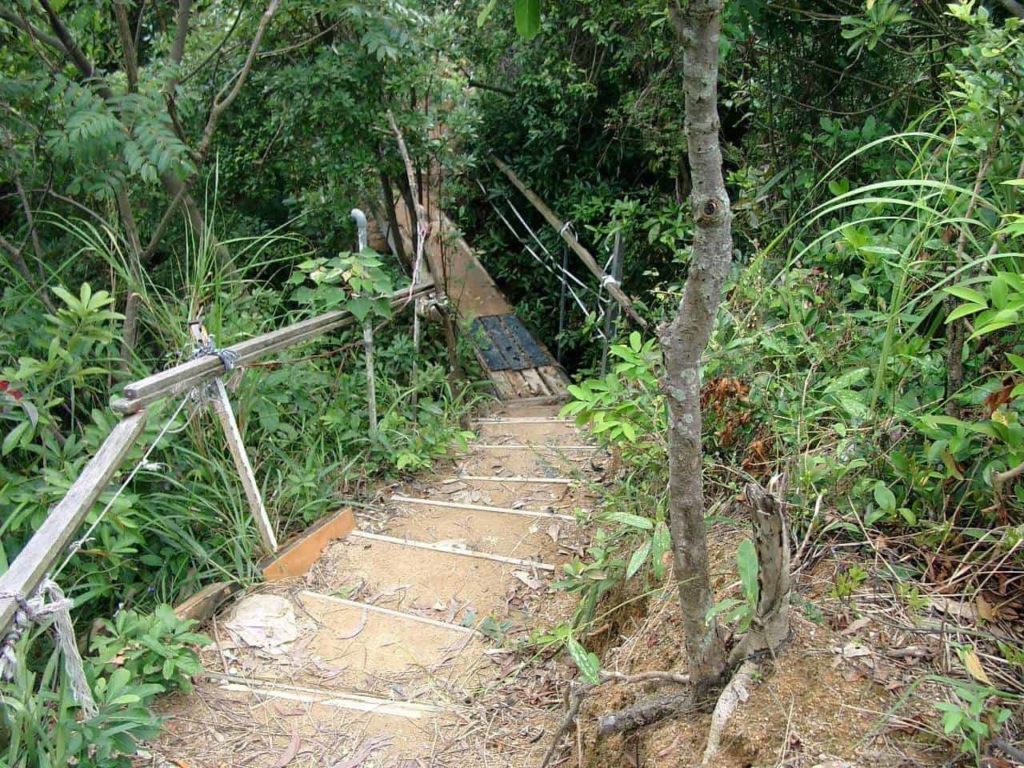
column 154, row 648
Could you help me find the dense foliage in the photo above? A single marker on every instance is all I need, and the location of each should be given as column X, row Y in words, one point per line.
column 162, row 161
column 870, row 343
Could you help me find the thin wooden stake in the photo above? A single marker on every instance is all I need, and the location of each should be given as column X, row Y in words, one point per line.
column 371, row 380
column 222, row 405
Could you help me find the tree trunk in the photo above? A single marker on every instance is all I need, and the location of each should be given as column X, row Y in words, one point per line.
column 685, row 339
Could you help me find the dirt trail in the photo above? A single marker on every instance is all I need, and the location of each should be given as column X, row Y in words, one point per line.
column 393, row 662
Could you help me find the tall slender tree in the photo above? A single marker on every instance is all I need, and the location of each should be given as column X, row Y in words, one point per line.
column 697, row 24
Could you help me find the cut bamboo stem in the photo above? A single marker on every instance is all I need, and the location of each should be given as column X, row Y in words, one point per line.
column 607, row 281
column 387, row 612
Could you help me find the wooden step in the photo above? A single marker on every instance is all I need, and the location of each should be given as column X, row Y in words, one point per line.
column 452, row 549
column 557, row 494
column 534, row 447
column 230, row 721
column 523, row 420
column 399, row 499
column 501, row 479
column 350, row 645
column 496, row 530
column 390, row 572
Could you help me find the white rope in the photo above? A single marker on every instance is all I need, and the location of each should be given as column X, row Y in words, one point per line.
column 49, row 603
column 77, row 545
column 608, row 280
column 554, row 261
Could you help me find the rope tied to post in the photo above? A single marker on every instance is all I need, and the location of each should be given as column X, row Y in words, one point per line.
column 204, row 347
column 228, row 357
column 608, row 280
column 49, row 603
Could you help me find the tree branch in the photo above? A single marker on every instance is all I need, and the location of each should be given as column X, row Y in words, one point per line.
column 1013, row 7
column 31, row 30
column 124, row 33
column 684, row 341
column 220, row 106
column 78, row 58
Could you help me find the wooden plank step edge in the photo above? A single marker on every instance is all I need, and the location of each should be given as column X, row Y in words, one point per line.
column 357, row 702
column 451, row 550
column 524, row 420
column 513, row 479
column 388, row 612
column 534, row 447
column 483, row 508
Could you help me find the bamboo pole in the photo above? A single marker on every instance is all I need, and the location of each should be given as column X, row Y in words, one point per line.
column 51, row 538
column 186, row 376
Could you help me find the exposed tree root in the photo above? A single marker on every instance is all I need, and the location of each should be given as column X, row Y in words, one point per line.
column 578, row 692
column 734, row 693
column 646, row 712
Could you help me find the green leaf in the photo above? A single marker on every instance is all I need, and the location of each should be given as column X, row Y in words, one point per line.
column 965, row 293
column 1017, row 360
column 588, row 663
column 633, row 521
column 638, row 559
column 963, row 310
column 360, row 307
column 746, row 562
column 485, row 12
column 527, row 18
column 722, row 607
column 885, row 498
column 13, row 438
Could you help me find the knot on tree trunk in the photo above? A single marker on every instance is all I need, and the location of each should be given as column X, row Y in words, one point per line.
column 710, row 211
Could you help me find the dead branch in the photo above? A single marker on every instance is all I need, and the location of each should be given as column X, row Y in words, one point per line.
column 220, row 105
column 576, row 694
column 771, row 541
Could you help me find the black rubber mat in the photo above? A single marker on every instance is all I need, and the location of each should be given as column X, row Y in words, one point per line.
column 506, row 345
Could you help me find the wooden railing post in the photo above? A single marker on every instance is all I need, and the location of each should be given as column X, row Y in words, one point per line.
column 222, row 405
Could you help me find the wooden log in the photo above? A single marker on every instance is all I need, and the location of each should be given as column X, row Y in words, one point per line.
column 613, row 289
column 186, row 376
column 204, row 603
column 38, row 556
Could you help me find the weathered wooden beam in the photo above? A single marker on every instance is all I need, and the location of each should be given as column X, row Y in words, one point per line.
column 52, row 538
column 606, row 280
column 222, row 405
column 186, row 376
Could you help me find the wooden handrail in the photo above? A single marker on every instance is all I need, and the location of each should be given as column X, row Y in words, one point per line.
column 186, row 376
column 37, row 557
column 607, row 282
